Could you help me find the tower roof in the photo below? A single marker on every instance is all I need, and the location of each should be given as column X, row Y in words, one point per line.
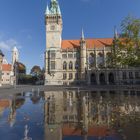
column 47, row 10
column 83, row 36
column 90, row 43
column 54, row 8
column 115, row 33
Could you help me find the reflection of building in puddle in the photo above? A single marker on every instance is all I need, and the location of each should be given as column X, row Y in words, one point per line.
column 12, row 103
column 4, row 103
column 85, row 114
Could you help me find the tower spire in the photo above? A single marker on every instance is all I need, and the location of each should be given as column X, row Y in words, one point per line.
column 58, row 10
column 83, row 36
column 115, row 33
column 47, row 10
column 54, row 8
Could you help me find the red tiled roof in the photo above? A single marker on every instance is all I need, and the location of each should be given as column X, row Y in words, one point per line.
column 6, row 67
column 4, row 103
column 90, row 43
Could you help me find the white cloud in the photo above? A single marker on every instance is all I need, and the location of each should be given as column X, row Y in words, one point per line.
column 9, row 44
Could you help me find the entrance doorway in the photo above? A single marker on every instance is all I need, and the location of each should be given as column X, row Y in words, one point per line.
column 102, row 79
column 93, row 79
column 111, row 78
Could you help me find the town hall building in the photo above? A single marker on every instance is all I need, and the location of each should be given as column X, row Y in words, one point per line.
column 82, row 61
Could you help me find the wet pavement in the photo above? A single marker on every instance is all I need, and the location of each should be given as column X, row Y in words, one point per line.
column 70, row 115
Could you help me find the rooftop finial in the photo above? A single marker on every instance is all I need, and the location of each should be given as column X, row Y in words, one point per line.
column 115, row 33
column 47, row 10
column 83, row 37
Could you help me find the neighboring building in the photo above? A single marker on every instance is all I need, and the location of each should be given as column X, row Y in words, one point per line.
column 11, row 72
column 6, row 74
column 1, row 60
column 81, row 61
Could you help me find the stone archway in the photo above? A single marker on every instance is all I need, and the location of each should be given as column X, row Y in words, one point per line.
column 93, row 79
column 111, row 78
column 102, row 79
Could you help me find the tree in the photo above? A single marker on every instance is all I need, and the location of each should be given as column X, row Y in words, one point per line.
column 126, row 48
column 36, row 70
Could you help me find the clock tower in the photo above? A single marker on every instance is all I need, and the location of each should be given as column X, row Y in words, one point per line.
column 53, row 22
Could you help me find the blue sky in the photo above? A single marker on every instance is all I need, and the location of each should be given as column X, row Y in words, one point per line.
column 22, row 23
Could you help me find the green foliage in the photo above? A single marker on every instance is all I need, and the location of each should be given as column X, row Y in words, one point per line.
column 126, row 48
column 36, row 70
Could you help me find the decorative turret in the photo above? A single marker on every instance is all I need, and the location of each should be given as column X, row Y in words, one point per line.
column 82, row 41
column 83, row 56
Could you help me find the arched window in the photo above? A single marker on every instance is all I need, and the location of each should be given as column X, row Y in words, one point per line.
column 100, row 60
column 70, row 65
column 91, row 60
column 64, row 76
column 70, row 76
column 76, row 65
column 64, row 65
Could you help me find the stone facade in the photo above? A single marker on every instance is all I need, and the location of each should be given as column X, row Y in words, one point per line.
column 81, row 61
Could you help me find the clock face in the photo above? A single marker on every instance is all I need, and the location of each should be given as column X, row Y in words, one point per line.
column 52, row 27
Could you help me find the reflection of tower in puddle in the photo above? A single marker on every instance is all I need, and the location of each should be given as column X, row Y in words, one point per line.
column 53, row 115
column 85, row 117
column 26, row 131
column 85, row 114
column 12, row 114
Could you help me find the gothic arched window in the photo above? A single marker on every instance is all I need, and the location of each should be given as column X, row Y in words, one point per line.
column 100, row 59
column 76, row 65
column 70, row 65
column 70, row 76
column 91, row 60
column 64, row 76
column 64, row 65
